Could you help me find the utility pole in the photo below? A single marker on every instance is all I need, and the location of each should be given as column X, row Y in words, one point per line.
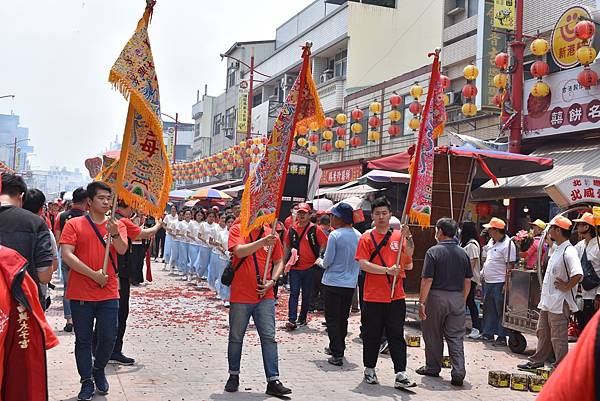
column 14, row 163
column 250, row 95
column 175, row 138
column 514, row 142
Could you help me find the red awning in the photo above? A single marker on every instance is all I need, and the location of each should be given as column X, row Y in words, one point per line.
column 499, row 164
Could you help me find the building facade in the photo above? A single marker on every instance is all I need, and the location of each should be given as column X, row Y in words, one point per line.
column 14, row 143
column 182, row 143
column 56, row 180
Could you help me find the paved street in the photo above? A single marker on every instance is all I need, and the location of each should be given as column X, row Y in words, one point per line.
column 179, row 338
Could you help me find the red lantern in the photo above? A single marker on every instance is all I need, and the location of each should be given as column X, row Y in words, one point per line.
column 256, row 151
column 469, row 91
column 585, row 29
column 394, row 130
column 539, row 69
column 483, row 209
column 327, row 147
column 237, row 148
column 357, row 114
column 501, row 60
column 497, row 99
column 415, row 107
column 587, row 78
column 314, row 138
column 355, row 141
column 329, row 122
column 374, row 122
column 395, row 100
column 445, row 81
column 340, row 132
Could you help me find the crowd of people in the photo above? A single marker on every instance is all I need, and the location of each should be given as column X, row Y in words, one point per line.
column 320, row 259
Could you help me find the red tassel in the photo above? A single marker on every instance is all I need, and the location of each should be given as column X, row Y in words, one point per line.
column 148, row 266
column 487, row 170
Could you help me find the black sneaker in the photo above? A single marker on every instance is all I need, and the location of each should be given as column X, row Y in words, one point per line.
column 336, row 360
column 327, row 351
column 100, row 381
column 456, row 382
column 302, row 323
column 291, row 326
column 530, row 366
column 87, row 390
column 233, row 384
column 121, row 359
column 68, row 327
column 500, row 342
column 424, row 372
column 486, row 338
column 277, row 389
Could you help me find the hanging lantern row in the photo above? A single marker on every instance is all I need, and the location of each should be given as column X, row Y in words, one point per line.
column 394, row 115
column 226, row 161
column 374, row 122
column 586, row 54
column 502, row 61
column 539, row 69
column 469, row 91
column 415, row 108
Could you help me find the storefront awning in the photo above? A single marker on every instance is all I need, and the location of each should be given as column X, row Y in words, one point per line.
column 568, row 161
column 358, row 190
column 326, row 190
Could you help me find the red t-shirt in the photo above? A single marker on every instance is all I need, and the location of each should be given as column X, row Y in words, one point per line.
column 378, row 286
column 133, row 230
column 79, row 233
column 306, row 256
column 245, row 286
column 574, row 378
column 57, row 222
column 288, row 221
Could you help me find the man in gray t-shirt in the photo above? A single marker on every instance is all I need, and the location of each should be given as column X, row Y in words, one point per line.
column 445, row 284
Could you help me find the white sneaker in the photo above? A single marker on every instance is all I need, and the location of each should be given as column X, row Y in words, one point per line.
column 403, row 381
column 370, row 376
column 226, row 304
column 474, row 335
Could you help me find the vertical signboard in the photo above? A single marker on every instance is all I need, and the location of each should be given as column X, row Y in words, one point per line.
column 242, row 111
column 489, row 43
column 169, row 140
column 504, row 14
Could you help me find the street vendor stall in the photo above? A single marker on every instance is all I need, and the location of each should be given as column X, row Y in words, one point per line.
column 455, row 168
column 574, row 195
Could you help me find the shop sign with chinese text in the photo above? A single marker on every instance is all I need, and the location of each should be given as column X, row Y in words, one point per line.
column 242, row 111
column 564, row 41
column 340, row 175
column 571, row 108
column 581, row 189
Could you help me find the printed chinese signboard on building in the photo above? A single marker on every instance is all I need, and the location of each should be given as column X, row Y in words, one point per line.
column 493, row 42
column 504, row 14
column 581, row 189
column 242, row 111
column 564, row 40
column 340, row 175
column 571, row 107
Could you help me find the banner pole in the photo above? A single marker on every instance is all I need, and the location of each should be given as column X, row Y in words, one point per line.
column 109, row 239
column 269, row 253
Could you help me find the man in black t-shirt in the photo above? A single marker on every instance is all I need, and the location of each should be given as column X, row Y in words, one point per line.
column 445, row 285
column 23, row 231
column 79, row 208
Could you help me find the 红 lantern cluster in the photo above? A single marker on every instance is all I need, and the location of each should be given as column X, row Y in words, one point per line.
column 539, row 48
column 394, row 115
column 469, row 91
column 586, row 54
column 415, row 108
column 502, row 61
column 374, row 122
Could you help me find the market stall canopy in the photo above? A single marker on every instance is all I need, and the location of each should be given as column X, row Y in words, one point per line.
column 180, row 194
column 210, row 193
column 358, row 191
column 571, row 160
column 384, row 176
column 490, row 162
column 326, row 190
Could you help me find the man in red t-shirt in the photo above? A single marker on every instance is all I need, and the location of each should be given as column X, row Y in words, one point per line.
column 250, row 296
column 94, row 294
column 310, row 241
column 127, row 263
column 377, row 254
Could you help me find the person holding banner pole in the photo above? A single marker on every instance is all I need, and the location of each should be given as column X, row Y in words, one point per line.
column 377, row 252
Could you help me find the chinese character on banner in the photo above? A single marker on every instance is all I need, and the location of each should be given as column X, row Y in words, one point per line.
column 588, row 193
column 577, row 183
column 302, row 170
column 576, row 195
column 557, row 117
column 575, row 114
column 293, row 169
column 593, row 111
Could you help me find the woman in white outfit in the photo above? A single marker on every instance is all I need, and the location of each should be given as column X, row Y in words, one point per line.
column 184, row 242
column 203, row 259
column 194, row 248
column 223, row 258
column 167, row 220
column 214, row 269
column 172, row 230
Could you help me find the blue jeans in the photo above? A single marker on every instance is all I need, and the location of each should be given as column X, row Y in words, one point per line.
column 65, row 280
column 300, row 280
column 493, row 307
column 263, row 314
column 202, row 261
column 106, row 315
column 167, row 249
column 193, row 251
column 182, row 259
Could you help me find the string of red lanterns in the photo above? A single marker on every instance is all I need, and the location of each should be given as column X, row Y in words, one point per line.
column 586, row 54
column 469, row 91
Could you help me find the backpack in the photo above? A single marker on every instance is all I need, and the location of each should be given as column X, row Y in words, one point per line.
column 312, row 239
